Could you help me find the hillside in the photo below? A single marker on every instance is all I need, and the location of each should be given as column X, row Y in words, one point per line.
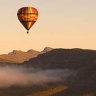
column 58, row 72
column 64, row 58
column 81, row 62
column 18, row 56
column 50, row 92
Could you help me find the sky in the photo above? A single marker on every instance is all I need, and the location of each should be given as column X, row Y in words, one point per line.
column 61, row 24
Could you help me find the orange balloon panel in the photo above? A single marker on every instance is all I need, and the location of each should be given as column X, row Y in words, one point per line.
column 27, row 16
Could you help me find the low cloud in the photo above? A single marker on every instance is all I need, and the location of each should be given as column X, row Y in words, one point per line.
column 20, row 76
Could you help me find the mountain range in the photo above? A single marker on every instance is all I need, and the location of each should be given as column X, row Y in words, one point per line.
column 63, row 58
column 18, row 56
column 67, row 72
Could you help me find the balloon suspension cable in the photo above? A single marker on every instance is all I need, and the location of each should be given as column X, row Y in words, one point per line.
column 27, row 31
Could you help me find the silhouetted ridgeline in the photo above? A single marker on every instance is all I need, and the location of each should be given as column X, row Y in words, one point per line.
column 64, row 58
column 82, row 62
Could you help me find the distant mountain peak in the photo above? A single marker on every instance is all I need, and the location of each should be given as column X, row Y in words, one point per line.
column 18, row 56
column 31, row 51
column 14, row 52
column 47, row 49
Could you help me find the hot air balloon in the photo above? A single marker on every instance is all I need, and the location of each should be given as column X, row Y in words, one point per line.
column 27, row 16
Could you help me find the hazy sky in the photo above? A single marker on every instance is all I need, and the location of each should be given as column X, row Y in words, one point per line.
column 61, row 24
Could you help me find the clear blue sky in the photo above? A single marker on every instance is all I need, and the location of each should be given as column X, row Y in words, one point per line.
column 61, row 24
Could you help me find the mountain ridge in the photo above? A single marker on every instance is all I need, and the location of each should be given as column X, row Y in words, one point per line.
column 59, row 58
column 18, row 56
column 75, row 67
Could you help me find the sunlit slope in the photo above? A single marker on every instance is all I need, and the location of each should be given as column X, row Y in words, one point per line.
column 50, row 92
column 18, row 56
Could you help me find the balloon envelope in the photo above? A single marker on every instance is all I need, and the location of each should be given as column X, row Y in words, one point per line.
column 27, row 16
